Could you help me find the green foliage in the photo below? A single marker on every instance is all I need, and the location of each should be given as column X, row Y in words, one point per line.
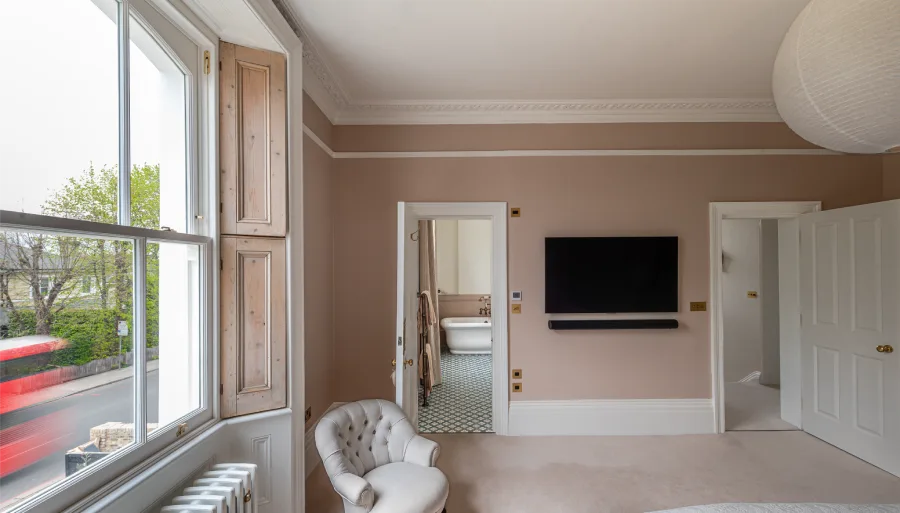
column 93, row 196
column 91, row 334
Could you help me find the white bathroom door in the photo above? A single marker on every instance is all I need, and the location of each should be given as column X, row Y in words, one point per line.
column 406, row 361
column 850, row 333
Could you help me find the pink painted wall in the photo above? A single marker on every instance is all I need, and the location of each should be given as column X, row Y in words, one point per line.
column 590, row 196
column 318, row 300
column 891, row 177
column 315, row 119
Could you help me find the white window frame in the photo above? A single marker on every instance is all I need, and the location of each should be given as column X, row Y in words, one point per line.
column 159, row 18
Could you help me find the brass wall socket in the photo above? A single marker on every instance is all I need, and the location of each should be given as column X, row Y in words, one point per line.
column 752, row 294
column 515, row 212
column 517, row 387
column 517, row 373
column 517, row 308
column 698, row 306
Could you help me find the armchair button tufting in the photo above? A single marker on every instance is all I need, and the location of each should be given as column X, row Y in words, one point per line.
column 380, row 417
column 348, row 443
column 373, row 431
column 370, row 448
column 366, row 422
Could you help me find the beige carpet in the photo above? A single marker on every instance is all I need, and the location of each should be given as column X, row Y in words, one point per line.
column 494, row 474
column 753, row 407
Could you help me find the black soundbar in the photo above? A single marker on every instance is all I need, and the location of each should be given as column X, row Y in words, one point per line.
column 615, row 324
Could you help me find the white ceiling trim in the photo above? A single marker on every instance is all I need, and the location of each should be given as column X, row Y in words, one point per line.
column 325, row 89
column 557, row 153
column 584, row 111
column 574, row 153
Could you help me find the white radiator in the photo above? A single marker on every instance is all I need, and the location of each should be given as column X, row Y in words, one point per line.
column 224, row 488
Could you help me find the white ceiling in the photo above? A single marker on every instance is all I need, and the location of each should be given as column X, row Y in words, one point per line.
column 416, row 60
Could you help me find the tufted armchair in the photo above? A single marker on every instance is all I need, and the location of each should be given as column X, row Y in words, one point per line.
column 377, row 462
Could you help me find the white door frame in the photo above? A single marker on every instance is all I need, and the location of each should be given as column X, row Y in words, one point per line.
column 496, row 213
column 717, row 213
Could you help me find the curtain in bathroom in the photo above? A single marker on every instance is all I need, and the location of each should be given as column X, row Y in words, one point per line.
column 428, row 282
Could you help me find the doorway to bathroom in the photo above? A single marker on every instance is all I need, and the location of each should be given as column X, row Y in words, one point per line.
column 455, row 370
column 452, row 317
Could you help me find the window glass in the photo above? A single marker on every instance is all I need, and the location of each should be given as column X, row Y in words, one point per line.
column 67, row 305
column 158, row 135
column 173, row 331
column 60, row 131
column 66, row 387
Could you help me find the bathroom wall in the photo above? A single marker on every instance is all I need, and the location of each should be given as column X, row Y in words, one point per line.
column 446, row 251
column 742, row 315
column 463, row 256
column 474, row 256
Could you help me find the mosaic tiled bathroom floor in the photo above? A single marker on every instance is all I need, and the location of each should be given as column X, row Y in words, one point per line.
column 462, row 403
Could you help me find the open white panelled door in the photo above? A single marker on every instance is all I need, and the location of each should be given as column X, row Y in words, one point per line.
column 406, row 355
column 850, row 303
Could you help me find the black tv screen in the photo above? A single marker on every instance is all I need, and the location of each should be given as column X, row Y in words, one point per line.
column 611, row 274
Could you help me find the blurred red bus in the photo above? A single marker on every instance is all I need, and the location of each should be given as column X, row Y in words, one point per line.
column 25, row 372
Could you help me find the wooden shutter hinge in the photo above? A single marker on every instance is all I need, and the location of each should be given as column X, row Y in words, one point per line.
column 206, row 62
column 221, row 389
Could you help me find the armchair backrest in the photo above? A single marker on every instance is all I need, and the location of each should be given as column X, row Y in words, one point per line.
column 358, row 437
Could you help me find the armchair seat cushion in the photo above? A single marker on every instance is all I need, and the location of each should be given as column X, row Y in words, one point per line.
column 408, row 488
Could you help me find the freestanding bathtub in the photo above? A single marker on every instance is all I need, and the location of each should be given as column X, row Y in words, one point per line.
column 468, row 335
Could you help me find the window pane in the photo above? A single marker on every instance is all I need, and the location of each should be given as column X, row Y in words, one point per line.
column 59, row 130
column 66, row 387
column 158, row 135
column 173, row 331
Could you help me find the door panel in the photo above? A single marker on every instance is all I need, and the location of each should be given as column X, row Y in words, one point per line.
column 406, row 375
column 254, row 329
column 850, row 292
column 828, row 382
column 825, row 272
column 252, row 141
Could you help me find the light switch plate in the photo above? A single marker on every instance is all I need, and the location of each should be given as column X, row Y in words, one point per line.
column 517, row 387
column 515, row 212
column 517, row 373
column 517, row 295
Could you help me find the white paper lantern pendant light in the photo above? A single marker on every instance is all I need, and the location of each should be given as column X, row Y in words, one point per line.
column 837, row 75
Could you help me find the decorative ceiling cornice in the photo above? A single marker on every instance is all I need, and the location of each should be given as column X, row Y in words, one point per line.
column 343, row 111
column 583, row 111
column 568, row 106
column 312, row 58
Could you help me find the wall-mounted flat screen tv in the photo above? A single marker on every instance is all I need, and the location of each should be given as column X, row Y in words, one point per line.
column 611, row 274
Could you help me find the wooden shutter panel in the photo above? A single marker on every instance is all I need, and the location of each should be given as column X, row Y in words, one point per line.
column 252, row 141
column 254, row 330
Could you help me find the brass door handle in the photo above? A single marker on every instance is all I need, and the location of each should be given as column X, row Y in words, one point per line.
column 885, row 349
column 406, row 363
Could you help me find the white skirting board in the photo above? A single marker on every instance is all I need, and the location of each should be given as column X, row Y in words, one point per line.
column 311, row 454
column 612, row 417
